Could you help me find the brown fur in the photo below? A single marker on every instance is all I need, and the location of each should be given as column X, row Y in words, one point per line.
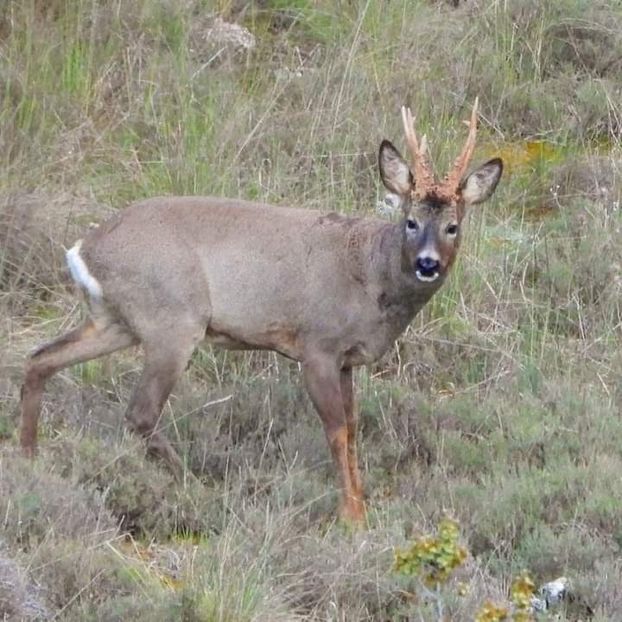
column 328, row 290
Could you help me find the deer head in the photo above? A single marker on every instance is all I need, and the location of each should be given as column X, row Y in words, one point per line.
column 433, row 211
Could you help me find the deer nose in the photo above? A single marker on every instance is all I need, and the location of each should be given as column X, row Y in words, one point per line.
column 427, row 265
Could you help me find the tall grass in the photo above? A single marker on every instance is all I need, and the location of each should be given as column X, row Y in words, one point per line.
column 499, row 405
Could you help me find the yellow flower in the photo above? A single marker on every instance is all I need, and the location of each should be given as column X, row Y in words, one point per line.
column 491, row 612
column 522, row 591
column 433, row 558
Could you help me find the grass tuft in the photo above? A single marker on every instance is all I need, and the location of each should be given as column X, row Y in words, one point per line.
column 500, row 405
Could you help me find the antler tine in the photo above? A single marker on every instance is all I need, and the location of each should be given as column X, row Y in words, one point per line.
column 409, row 131
column 453, row 178
column 424, row 177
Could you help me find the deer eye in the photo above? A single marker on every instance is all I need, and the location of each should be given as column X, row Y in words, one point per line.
column 452, row 229
column 412, row 225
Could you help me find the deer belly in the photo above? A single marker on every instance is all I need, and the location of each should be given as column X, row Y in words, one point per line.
column 279, row 339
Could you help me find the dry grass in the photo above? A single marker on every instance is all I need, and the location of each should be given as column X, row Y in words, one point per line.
column 501, row 403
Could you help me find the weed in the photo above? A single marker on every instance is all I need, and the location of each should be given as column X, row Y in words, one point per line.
column 500, row 404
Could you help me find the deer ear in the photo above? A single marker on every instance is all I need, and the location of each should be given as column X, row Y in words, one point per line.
column 394, row 171
column 481, row 183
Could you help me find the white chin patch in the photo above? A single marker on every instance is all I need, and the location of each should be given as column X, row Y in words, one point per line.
column 427, row 279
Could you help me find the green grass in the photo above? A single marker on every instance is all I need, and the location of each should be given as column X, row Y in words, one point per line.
column 500, row 405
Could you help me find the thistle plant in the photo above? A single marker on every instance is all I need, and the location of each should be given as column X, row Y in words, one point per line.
column 491, row 612
column 521, row 594
column 432, row 559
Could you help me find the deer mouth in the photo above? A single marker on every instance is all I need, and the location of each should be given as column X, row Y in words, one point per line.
column 427, row 277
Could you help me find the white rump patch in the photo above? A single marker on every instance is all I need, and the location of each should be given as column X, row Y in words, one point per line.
column 80, row 273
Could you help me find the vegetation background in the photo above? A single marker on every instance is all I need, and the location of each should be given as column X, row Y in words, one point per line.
column 499, row 406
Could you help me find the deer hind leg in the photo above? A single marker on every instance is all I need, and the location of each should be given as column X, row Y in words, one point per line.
column 322, row 377
column 351, row 414
column 91, row 340
column 164, row 363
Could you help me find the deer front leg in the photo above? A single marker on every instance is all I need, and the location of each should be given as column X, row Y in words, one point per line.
column 347, row 395
column 322, row 378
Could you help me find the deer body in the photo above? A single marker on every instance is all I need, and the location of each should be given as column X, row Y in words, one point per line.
column 257, row 276
column 328, row 290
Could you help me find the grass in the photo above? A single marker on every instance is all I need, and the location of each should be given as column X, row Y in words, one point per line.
column 501, row 403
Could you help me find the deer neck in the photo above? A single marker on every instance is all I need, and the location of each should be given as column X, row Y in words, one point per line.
column 402, row 295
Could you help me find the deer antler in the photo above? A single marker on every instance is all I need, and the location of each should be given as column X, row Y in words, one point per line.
column 424, row 177
column 425, row 181
column 452, row 179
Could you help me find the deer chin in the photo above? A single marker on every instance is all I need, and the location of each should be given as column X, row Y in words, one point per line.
column 427, row 279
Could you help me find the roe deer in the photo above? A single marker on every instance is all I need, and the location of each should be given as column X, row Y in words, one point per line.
column 328, row 290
